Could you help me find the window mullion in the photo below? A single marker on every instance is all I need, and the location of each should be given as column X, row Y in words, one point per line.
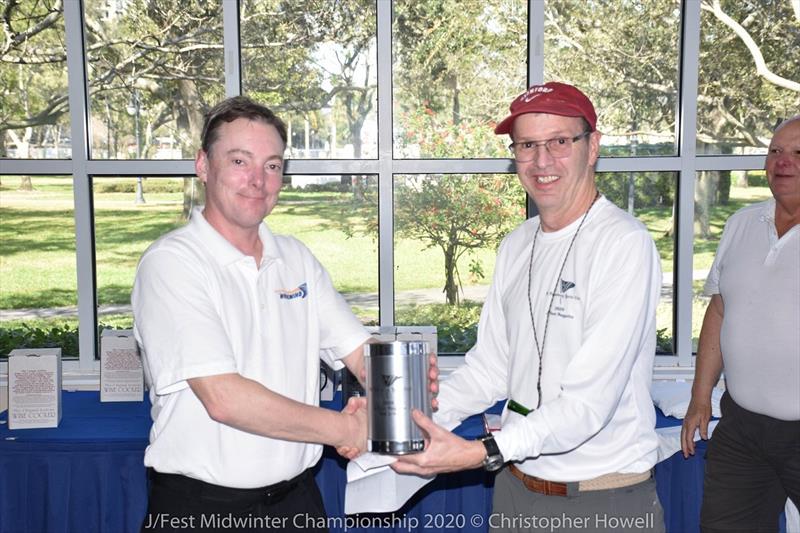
column 78, row 92
column 687, row 138
column 231, row 44
column 385, row 164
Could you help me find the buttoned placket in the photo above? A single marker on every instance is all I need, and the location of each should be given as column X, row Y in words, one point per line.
column 775, row 243
column 261, row 287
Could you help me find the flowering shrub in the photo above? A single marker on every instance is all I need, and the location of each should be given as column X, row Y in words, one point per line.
column 426, row 134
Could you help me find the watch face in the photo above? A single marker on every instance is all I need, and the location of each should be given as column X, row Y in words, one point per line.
column 494, row 459
column 493, row 463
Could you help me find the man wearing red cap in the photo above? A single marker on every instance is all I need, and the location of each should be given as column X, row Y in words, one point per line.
column 567, row 335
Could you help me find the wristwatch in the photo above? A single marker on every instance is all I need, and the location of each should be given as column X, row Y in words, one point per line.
column 494, row 459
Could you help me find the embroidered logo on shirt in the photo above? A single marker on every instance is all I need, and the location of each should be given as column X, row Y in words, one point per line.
column 291, row 294
column 566, row 285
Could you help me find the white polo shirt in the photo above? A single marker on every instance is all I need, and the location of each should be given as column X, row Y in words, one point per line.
column 202, row 308
column 758, row 276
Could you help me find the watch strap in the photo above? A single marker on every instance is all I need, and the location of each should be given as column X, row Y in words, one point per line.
column 494, row 459
column 490, row 444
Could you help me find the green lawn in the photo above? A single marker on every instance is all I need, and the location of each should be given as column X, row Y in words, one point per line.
column 659, row 223
column 37, row 242
column 37, row 262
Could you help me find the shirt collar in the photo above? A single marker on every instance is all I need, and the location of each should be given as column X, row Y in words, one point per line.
column 222, row 250
column 269, row 244
column 768, row 212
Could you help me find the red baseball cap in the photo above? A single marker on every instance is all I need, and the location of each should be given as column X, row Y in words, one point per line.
column 554, row 98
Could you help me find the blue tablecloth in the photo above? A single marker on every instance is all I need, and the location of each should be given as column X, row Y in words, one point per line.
column 87, row 475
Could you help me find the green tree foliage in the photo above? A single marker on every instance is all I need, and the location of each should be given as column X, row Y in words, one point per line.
column 169, row 55
column 456, row 326
column 301, row 57
column 749, row 71
column 32, row 79
column 625, row 54
column 166, row 57
column 650, row 189
column 62, row 336
column 447, row 54
column 460, row 62
column 742, row 98
column 454, row 213
column 457, row 214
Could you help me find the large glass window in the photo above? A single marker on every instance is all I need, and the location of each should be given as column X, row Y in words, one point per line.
column 130, row 214
column 457, row 65
column 150, row 84
column 337, row 218
column 37, row 264
column 34, row 111
column 624, row 55
column 650, row 197
column 426, row 78
column 718, row 195
column 757, row 84
column 314, row 63
column 447, row 230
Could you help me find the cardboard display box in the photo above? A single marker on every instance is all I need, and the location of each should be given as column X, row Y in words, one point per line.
column 34, row 388
column 121, row 374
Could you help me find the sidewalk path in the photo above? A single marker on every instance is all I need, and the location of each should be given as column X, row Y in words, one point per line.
column 365, row 299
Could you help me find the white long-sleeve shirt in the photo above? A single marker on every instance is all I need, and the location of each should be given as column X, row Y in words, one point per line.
column 596, row 416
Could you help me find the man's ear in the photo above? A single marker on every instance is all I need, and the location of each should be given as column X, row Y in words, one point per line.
column 594, row 147
column 201, row 165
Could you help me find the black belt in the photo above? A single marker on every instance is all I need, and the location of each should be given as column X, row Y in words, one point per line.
column 201, row 489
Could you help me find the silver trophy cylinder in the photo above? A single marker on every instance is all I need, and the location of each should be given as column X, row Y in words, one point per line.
column 397, row 383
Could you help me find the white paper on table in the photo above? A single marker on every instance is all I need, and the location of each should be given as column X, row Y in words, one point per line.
column 379, row 489
column 669, row 439
column 673, row 398
column 373, row 487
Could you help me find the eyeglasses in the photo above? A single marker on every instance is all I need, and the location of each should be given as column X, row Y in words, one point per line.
column 558, row 147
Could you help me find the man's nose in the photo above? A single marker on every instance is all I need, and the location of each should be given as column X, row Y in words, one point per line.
column 258, row 177
column 541, row 155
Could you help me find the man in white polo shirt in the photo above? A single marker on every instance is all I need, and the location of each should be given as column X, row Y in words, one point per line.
column 232, row 320
column 752, row 329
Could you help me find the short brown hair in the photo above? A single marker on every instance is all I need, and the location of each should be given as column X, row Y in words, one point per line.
column 232, row 108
